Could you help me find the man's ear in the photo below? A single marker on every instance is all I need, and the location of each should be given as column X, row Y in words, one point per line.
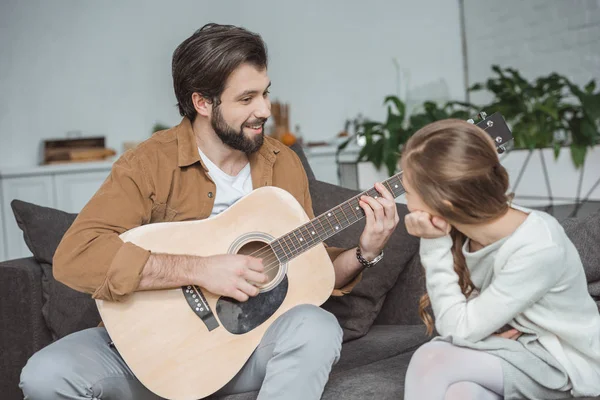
column 201, row 104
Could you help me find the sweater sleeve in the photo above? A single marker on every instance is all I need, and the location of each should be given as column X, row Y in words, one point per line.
column 529, row 273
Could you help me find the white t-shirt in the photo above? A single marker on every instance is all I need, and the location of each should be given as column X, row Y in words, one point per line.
column 229, row 188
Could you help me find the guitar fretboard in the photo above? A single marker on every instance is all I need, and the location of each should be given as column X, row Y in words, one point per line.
column 329, row 223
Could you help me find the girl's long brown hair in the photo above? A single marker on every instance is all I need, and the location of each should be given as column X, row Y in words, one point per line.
column 453, row 166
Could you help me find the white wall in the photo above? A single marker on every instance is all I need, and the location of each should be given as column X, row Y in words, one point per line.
column 104, row 67
column 536, row 37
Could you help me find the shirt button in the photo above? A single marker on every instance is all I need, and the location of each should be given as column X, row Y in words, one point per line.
column 210, row 195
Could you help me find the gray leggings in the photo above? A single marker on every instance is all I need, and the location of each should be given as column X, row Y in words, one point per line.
column 292, row 361
column 442, row 371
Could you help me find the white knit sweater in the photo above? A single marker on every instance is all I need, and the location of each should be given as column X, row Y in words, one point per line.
column 532, row 280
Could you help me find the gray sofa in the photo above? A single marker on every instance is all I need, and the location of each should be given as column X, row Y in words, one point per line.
column 379, row 318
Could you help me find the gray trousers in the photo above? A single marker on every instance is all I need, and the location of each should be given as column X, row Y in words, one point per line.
column 292, row 361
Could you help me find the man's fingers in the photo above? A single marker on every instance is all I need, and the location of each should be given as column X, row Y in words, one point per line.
column 256, row 277
column 255, row 264
column 383, row 190
column 247, row 288
column 240, row 296
column 374, row 204
column 389, row 208
column 368, row 211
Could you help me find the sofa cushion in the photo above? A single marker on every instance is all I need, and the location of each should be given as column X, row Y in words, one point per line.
column 381, row 342
column 300, row 152
column 382, row 380
column 43, row 228
column 357, row 310
column 585, row 235
column 401, row 305
column 65, row 310
column 380, row 356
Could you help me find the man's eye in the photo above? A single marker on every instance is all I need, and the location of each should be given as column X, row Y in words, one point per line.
column 266, row 93
column 246, row 99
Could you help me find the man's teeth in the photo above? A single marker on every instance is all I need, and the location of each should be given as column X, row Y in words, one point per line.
column 255, row 126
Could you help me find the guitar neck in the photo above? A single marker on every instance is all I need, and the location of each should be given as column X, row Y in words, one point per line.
column 339, row 218
column 329, row 223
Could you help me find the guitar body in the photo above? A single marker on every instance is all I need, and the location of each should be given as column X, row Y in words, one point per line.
column 187, row 343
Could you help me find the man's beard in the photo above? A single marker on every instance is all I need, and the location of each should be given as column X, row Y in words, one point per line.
column 237, row 140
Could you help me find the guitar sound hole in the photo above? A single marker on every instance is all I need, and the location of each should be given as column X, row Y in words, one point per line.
column 270, row 262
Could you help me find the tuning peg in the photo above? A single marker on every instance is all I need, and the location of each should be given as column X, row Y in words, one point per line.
column 470, row 120
column 482, row 115
column 501, row 149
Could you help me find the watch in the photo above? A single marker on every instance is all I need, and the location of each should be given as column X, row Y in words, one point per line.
column 364, row 262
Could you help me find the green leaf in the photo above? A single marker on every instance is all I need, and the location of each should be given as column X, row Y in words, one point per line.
column 578, row 154
column 344, row 144
column 400, row 106
column 590, row 87
column 475, row 87
column 556, row 148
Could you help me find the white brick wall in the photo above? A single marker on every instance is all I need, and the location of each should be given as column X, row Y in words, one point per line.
column 535, row 36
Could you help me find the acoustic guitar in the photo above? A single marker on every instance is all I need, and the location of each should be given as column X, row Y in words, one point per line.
column 186, row 343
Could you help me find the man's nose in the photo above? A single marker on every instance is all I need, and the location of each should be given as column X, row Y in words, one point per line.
column 264, row 109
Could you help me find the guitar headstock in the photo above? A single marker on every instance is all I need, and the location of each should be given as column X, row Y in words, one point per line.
column 495, row 126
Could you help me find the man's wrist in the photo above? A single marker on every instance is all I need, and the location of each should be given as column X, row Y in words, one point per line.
column 366, row 259
column 368, row 255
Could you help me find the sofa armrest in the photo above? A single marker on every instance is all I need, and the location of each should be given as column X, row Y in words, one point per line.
column 22, row 327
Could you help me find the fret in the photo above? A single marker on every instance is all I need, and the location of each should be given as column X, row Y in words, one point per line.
column 322, row 227
column 358, row 208
column 389, row 187
column 351, row 212
column 353, row 208
column 396, row 182
column 287, row 255
column 329, row 222
column 289, row 243
column 279, row 256
column 286, row 244
column 338, row 226
column 307, row 242
column 297, row 240
column 345, row 216
column 372, row 193
column 315, row 230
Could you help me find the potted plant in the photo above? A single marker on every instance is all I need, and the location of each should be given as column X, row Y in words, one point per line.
column 549, row 112
column 384, row 140
column 556, row 121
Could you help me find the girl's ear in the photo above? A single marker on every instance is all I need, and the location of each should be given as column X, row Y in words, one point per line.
column 202, row 106
column 448, row 204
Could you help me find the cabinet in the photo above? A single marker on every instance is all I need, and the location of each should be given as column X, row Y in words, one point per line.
column 324, row 163
column 65, row 187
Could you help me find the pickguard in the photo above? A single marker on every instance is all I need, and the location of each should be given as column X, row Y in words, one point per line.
column 239, row 318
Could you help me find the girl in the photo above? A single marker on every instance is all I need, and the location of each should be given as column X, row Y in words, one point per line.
column 491, row 265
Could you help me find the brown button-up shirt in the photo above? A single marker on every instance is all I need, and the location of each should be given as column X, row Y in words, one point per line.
column 161, row 180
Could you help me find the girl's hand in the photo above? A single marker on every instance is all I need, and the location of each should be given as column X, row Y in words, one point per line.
column 421, row 224
column 511, row 334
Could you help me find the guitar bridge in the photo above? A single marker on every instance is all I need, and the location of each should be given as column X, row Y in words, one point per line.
column 199, row 306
